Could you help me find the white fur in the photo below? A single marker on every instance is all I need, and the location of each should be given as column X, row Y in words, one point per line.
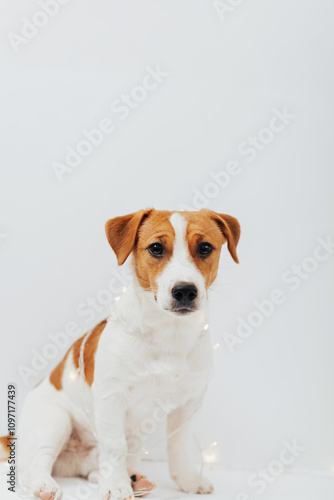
column 150, row 365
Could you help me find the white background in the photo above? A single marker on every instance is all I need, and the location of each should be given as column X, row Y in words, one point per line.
column 225, row 78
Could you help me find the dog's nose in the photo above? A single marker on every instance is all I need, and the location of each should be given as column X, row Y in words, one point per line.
column 184, row 293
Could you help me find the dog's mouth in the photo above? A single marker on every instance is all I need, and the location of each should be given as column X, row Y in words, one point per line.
column 183, row 311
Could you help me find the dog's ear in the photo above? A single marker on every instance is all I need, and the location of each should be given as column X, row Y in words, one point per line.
column 230, row 228
column 122, row 231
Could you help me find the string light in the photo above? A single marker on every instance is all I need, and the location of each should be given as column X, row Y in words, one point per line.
column 72, row 375
column 205, row 327
column 145, row 451
column 124, row 289
column 209, row 457
column 117, row 299
column 214, row 347
column 210, row 454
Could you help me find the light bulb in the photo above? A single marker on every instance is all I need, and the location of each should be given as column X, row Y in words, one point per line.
column 209, row 457
column 72, row 375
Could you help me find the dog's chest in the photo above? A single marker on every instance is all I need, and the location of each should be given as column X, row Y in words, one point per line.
column 167, row 386
column 154, row 398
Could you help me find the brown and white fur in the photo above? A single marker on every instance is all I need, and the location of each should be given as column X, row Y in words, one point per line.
column 152, row 356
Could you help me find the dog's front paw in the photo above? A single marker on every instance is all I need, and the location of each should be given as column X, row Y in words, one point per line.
column 193, row 483
column 46, row 489
column 116, row 491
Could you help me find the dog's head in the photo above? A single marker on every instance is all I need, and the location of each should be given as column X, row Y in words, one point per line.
column 176, row 254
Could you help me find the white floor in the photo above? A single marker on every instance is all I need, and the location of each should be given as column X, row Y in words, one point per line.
column 229, row 485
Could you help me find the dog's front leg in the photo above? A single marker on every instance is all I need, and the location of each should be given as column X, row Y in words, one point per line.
column 110, row 412
column 182, row 469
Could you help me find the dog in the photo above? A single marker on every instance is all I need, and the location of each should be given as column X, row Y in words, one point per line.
column 151, row 357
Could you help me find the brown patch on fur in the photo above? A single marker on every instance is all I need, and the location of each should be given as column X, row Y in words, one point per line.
column 208, row 226
column 155, row 229
column 89, row 351
column 4, row 453
column 122, row 232
column 230, row 228
column 56, row 377
column 134, row 233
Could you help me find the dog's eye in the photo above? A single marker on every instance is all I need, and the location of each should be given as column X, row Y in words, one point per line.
column 205, row 249
column 156, row 249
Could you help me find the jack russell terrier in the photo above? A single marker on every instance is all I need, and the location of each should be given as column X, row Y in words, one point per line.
column 152, row 357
